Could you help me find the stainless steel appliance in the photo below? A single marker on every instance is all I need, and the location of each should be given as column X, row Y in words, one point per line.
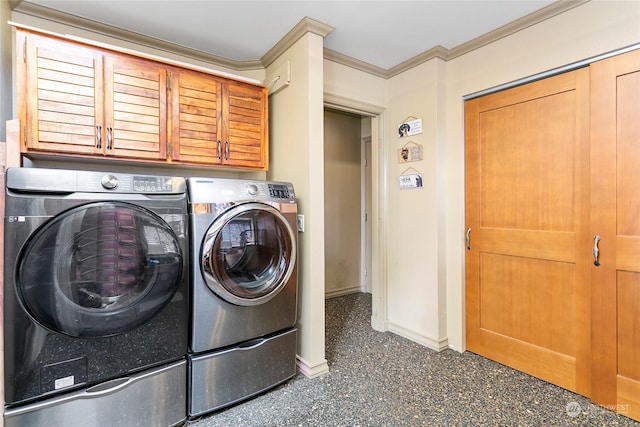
column 244, row 289
column 95, row 297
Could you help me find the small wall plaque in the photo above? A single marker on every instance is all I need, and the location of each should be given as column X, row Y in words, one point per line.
column 410, row 126
column 410, row 152
column 410, row 180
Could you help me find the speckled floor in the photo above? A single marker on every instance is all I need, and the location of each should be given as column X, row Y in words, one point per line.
column 381, row 379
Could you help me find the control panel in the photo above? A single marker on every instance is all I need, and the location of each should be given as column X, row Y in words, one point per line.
column 280, row 191
column 137, row 183
column 69, row 181
column 152, row 184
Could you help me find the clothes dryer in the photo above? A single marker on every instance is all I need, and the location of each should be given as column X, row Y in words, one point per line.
column 95, row 291
column 244, row 289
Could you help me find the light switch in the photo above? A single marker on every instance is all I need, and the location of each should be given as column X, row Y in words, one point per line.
column 301, row 223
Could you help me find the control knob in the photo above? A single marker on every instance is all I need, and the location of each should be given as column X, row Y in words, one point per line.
column 252, row 189
column 109, row 182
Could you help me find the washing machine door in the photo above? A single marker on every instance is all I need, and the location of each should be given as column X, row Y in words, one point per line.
column 249, row 254
column 99, row 269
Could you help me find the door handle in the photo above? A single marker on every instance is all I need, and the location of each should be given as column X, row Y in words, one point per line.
column 109, row 138
column 98, row 136
column 596, row 251
column 226, row 150
column 468, row 239
column 219, row 155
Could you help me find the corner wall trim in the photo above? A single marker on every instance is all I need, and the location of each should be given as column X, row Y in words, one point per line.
column 437, row 344
column 310, row 371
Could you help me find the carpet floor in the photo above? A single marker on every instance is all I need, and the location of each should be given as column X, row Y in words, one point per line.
column 381, row 379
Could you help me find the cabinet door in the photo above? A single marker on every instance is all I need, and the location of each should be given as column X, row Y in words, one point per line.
column 60, row 95
column 615, row 217
column 195, row 115
column 134, row 108
column 245, row 140
column 527, row 207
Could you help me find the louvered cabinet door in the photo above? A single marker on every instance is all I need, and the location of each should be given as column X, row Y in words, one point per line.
column 245, row 141
column 195, row 116
column 59, row 95
column 134, row 108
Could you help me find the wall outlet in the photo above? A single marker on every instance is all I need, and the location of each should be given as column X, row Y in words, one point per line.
column 301, row 223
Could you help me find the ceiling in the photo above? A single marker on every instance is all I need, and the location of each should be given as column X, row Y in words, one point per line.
column 382, row 34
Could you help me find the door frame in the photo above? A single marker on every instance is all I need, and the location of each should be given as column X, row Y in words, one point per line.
column 366, row 230
column 379, row 198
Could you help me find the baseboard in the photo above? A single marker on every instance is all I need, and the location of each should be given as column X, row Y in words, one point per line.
column 309, row 371
column 342, row 291
column 432, row 343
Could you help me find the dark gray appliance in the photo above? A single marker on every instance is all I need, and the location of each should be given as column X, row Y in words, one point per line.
column 244, row 289
column 95, row 296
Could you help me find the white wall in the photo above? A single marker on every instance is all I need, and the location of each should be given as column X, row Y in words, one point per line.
column 296, row 155
column 413, row 285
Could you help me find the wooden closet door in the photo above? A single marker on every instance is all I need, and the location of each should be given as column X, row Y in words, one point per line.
column 615, row 159
column 528, row 252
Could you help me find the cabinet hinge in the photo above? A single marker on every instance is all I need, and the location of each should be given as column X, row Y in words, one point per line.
column 169, row 81
column 24, row 135
column 24, row 51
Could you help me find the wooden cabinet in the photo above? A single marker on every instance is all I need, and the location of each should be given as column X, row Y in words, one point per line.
column 80, row 100
column 218, row 121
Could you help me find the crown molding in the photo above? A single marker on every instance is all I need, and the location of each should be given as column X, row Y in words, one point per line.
column 435, row 52
column 445, row 54
column 513, row 27
column 74, row 21
column 306, row 25
column 349, row 61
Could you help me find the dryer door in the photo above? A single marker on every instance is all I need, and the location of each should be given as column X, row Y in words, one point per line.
column 248, row 254
column 99, row 269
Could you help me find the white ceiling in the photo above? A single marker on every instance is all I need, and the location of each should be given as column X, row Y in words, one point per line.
column 380, row 33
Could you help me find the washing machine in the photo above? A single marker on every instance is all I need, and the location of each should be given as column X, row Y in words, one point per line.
column 244, row 284
column 96, row 298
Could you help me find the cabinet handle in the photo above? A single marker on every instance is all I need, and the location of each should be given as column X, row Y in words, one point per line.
column 468, row 239
column 98, row 136
column 226, row 150
column 109, row 138
column 219, row 155
column 596, row 251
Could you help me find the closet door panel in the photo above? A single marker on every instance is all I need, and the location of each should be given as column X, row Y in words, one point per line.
column 615, row 218
column 527, row 206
